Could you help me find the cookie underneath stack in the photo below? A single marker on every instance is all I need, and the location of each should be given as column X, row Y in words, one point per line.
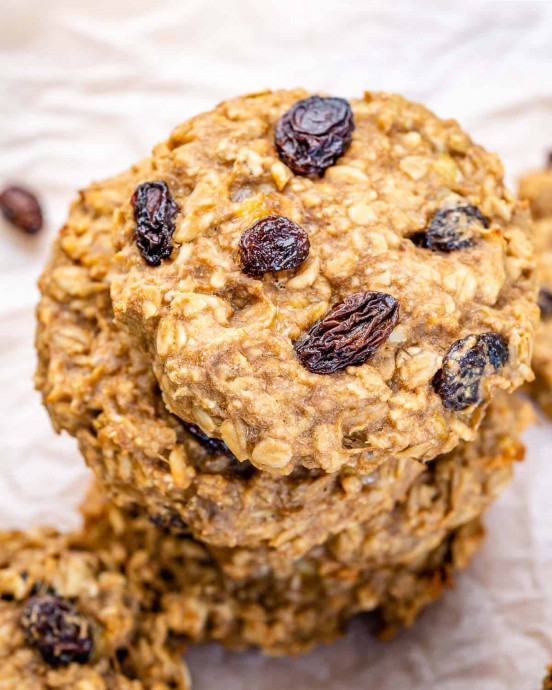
column 70, row 618
column 241, row 495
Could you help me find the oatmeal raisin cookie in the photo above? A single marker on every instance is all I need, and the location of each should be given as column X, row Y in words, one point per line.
column 68, row 621
column 324, row 283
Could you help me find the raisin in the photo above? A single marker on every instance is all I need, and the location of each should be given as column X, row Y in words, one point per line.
column 419, row 239
column 451, row 229
column 497, row 348
column 214, row 445
column 169, row 521
column 273, row 243
column 59, row 632
column 349, row 334
column 240, row 469
column 314, row 133
column 21, row 208
column 154, row 212
column 229, row 465
column 545, row 303
column 464, row 365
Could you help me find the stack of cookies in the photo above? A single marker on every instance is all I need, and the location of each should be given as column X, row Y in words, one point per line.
column 285, row 343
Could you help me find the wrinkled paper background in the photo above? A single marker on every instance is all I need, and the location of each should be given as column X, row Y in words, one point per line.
column 87, row 86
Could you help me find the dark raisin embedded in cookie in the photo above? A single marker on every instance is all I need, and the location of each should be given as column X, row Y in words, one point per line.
column 59, row 632
column 21, row 208
column 314, row 133
column 273, row 243
column 464, row 365
column 349, row 334
column 419, row 239
column 232, row 467
column 497, row 348
column 154, row 212
column 240, row 469
column 169, row 520
column 451, row 229
column 214, row 445
column 545, row 303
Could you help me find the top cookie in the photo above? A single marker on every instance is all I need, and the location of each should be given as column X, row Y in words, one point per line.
column 321, row 282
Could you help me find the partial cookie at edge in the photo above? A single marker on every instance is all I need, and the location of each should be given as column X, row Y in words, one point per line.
column 68, row 621
column 536, row 188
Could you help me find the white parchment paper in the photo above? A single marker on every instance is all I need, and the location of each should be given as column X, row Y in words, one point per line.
column 87, row 86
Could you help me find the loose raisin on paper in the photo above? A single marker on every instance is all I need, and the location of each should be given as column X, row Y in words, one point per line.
column 545, row 303
column 349, row 334
column 464, row 366
column 273, row 243
column 451, row 229
column 20, row 207
column 314, row 133
column 59, row 632
column 154, row 212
